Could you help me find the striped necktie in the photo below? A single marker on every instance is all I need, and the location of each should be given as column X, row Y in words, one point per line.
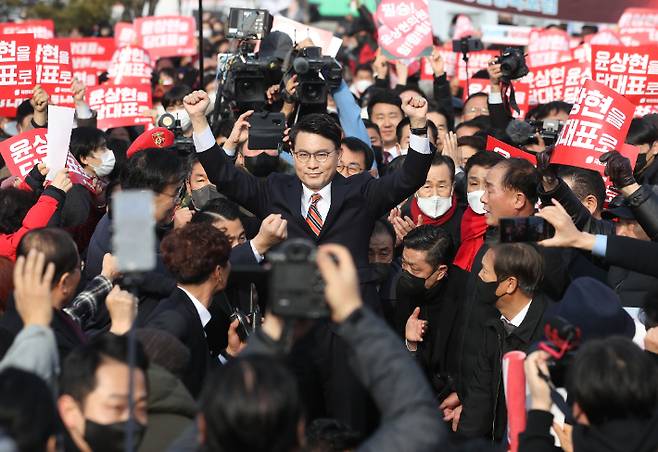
column 313, row 217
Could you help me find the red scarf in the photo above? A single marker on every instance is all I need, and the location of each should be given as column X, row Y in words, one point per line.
column 415, row 211
column 474, row 227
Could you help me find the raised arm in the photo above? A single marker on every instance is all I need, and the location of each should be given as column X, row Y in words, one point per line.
column 241, row 187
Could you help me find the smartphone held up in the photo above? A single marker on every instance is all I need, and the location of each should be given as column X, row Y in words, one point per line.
column 525, row 229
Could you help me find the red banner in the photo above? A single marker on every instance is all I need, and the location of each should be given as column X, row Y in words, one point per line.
column 124, row 34
column 639, row 19
column 53, row 70
column 8, row 107
column 598, row 123
column 476, row 62
column 166, row 36
column 515, row 396
column 548, row 47
column 404, row 28
column 131, row 65
column 42, row 29
column 17, row 67
column 632, row 72
column 560, row 81
column 509, row 151
column 120, row 105
column 482, row 85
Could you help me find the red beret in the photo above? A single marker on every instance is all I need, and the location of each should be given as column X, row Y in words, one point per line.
column 160, row 137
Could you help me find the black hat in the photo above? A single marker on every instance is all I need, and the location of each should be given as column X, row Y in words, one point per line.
column 618, row 208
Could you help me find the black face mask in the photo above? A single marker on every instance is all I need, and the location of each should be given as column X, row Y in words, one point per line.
column 110, row 437
column 201, row 196
column 381, row 271
column 410, row 286
column 262, row 165
column 485, row 292
column 641, row 162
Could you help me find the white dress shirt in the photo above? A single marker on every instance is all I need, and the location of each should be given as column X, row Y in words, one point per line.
column 323, row 204
column 518, row 318
column 204, row 314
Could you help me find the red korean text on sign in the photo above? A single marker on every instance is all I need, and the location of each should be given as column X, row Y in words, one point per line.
column 404, row 28
column 598, row 123
column 17, row 66
column 632, row 72
column 560, row 81
column 120, row 105
column 166, row 36
column 42, row 29
column 548, row 47
column 130, row 65
column 509, row 151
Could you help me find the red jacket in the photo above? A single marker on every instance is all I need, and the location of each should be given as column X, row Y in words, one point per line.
column 37, row 217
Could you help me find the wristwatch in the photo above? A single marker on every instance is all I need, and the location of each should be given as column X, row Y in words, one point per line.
column 419, row 131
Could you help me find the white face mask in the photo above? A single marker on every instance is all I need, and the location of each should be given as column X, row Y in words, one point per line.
column 434, row 206
column 185, row 121
column 11, row 128
column 474, row 201
column 107, row 164
column 360, row 87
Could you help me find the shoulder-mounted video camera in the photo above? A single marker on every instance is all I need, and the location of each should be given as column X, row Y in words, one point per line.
column 318, row 75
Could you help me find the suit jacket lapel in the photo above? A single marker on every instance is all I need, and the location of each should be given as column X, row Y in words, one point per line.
column 338, row 190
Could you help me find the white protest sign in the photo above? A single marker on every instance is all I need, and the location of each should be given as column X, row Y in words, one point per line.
column 60, row 124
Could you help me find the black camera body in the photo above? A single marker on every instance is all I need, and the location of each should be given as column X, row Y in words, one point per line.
column 512, row 64
column 467, row 45
column 296, row 286
column 184, row 145
column 308, row 64
column 562, row 341
column 246, row 23
column 247, row 82
column 549, row 130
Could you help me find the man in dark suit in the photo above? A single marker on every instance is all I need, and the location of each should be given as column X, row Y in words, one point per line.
column 198, row 257
column 509, row 279
column 323, row 206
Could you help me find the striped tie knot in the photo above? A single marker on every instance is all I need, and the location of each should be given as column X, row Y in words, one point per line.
column 315, row 198
column 313, row 218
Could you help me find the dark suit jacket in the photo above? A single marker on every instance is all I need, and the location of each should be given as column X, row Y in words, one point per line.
column 485, row 413
column 356, row 202
column 178, row 316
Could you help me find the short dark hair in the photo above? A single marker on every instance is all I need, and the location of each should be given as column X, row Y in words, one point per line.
column 585, row 182
column 363, row 67
column 318, row 124
column 154, row 169
column 175, row 95
column 328, row 435
column 435, row 241
column 257, row 391
column 641, row 131
column 14, row 206
column 78, row 377
column 474, row 141
column 406, row 122
column 192, row 252
column 612, row 379
column 472, row 123
column 383, row 96
column 474, row 95
column 485, row 159
column 433, row 107
column 371, row 125
column 521, row 261
column 57, row 246
column 557, row 106
column 223, row 128
column 24, row 110
column 84, row 140
column 522, row 176
column 440, row 159
column 384, row 227
column 27, row 409
column 359, row 147
column 217, row 209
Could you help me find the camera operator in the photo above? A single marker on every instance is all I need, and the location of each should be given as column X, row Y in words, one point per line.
column 613, row 388
column 388, row 374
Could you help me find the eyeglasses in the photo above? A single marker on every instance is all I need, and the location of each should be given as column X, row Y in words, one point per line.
column 352, row 168
column 319, row 157
column 180, row 192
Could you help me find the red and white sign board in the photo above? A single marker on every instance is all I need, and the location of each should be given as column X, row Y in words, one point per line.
column 121, row 105
column 463, row 27
column 548, row 47
column 598, row 123
column 166, row 36
column 476, row 62
column 22, row 152
column 298, row 32
column 130, row 65
column 643, row 110
column 509, row 151
column 42, row 29
column 642, row 38
column 605, row 37
column 639, row 19
column 404, row 29
column 560, row 81
column 124, row 34
column 631, row 72
column 8, row 107
column 482, row 85
column 449, row 62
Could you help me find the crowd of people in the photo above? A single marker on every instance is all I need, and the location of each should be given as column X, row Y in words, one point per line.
column 402, row 203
